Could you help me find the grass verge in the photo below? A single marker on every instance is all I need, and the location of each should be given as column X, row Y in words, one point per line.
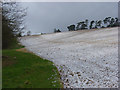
column 26, row 70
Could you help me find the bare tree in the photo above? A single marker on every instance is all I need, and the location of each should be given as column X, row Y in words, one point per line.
column 12, row 22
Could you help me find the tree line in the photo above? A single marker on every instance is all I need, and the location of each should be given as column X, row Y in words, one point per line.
column 84, row 25
column 107, row 22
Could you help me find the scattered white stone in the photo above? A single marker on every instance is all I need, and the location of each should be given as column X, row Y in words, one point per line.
column 92, row 53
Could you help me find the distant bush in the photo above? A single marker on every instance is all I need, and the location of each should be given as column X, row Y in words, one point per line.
column 55, row 30
column 71, row 28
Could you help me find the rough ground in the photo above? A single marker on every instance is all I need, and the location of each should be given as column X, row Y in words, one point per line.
column 85, row 59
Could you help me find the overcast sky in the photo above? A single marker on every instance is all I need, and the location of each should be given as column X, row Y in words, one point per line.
column 43, row 17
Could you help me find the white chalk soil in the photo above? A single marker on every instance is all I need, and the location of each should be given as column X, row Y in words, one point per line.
column 85, row 58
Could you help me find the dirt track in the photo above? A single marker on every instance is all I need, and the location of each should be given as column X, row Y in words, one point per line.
column 85, row 59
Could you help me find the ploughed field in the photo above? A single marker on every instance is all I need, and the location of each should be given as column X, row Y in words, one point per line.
column 84, row 58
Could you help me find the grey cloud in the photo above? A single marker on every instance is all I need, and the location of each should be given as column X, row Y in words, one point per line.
column 44, row 17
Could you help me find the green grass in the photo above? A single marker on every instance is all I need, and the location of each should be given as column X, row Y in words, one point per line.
column 15, row 45
column 26, row 70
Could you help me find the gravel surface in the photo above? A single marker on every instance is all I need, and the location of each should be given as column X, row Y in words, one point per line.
column 85, row 59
